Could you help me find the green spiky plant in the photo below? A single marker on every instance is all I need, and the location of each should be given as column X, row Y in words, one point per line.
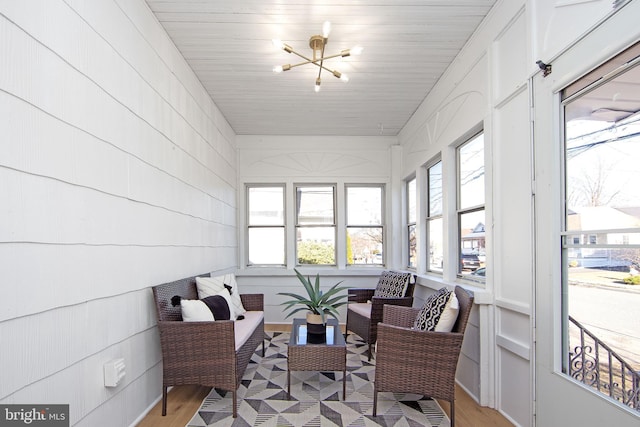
column 316, row 301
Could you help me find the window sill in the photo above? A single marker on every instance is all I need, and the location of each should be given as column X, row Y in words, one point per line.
column 481, row 294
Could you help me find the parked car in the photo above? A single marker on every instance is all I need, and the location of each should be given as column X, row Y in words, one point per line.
column 469, row 262
column 479, row 272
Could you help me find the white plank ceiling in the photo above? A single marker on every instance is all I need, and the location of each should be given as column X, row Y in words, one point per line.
column 408, row 44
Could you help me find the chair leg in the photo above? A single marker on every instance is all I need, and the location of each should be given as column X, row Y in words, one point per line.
column 453, row 412
column 235, row 404
column 375, row 400
column 369, row 359
column 262, row 348
column 164, row 400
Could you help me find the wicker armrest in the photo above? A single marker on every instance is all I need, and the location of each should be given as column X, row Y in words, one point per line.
column 252, row 302
column 398, row 315
column 422, row 348
column 378, row 303
column 360, row 294
column 201, row 342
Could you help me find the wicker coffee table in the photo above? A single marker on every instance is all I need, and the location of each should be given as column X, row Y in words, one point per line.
column 328, row 356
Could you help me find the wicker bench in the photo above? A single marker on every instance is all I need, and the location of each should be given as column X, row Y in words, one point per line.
column 212, row 354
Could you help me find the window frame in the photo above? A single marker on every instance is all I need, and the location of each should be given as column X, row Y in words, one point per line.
column 590, row 237
column 334, row 224
column 249, row 226
column 382, row 227
column 430, row 217
column 411, row 224
column 471, row 209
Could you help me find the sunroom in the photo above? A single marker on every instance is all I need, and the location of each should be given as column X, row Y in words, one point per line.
column 487, row 144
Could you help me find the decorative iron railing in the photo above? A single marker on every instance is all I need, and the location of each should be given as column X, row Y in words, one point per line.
column 595, row 364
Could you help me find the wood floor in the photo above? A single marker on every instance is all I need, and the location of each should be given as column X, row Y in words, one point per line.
column 183, row 402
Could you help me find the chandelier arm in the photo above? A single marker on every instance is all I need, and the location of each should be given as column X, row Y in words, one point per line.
column 330, row 56
column 302, row 63
column 324, row 43
column 302, row 56
column 323, row 67
column 314, row 63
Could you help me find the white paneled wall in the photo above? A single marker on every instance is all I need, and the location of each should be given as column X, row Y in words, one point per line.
column 487, row 88
column 118, row 173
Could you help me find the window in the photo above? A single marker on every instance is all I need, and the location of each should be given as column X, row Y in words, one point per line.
column 315, row 224
column 411, row 223
column 364, row 225
column 471, row 213
column 265, row 225
column 601, row 235
column 434, row 218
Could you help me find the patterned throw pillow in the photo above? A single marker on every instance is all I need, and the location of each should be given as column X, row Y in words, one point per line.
column 392, row 284
column 431, row 311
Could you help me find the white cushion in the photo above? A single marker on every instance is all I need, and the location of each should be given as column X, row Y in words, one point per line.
column 213, row 285
column 195, row 311
column 449, row 315
column 361, row 308
column 245, row 327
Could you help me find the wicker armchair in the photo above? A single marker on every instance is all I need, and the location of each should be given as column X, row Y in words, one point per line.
column 412, row 361
column 363, row 318
column 202, row 353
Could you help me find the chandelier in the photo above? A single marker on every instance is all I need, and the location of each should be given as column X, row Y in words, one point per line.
column 317, row 44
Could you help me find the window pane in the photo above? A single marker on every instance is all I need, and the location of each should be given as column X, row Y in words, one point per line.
column 472, row 241
column 314, row 205
column 471, row 173
column 411, row 201
column 316, row 245
column 266, row 206
column 434, row 174
column 266, row 246
column 436, row 251
column 413, row 250
column 364, row 205
column 602, row 154
column 364, row 245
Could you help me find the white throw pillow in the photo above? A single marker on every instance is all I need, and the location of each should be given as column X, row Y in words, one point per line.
column 195, row 311
column 449, row 315
column 208, row 286
column 225, row 294
column 230, row 280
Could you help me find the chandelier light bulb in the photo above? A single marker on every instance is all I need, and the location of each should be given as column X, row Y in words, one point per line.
column 356, row 50
column 278, row 43
column 277, row 69
column 326, row 29
column 317, row 86
column 344, row 77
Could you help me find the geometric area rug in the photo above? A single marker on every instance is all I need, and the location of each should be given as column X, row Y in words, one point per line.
column 316, row 397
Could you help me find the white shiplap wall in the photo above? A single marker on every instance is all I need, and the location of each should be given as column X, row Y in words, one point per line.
column 118, row 173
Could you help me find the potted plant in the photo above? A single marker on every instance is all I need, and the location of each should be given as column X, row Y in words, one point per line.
column 316, row 303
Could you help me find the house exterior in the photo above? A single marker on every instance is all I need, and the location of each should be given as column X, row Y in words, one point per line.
column 106, row 192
